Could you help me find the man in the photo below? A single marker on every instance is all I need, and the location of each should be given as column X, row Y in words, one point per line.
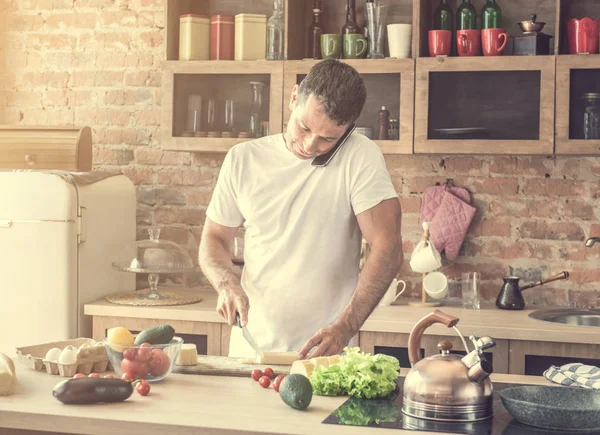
column 300, row 288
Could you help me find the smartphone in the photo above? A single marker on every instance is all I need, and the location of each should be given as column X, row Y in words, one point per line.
column 324, row 159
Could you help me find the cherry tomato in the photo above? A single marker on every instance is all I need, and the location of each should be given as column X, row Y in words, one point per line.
column 130, row 353
column 264, row 381
column 278, row 380
column 146, row 344
column 269, row 372
column 109, row 376
column 256, row 374
column 144, row 354
column 94, row 375
column 79, row 375
column 143, row 388
column 127, row 376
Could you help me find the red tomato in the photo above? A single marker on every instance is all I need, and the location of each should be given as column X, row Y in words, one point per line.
column 138, row 369
column 79, row 375
column 109, row 376
column 94, row 375
column 256, row 374
column 264, row 381
column 146, row 344
column 127, row 377
column 143, row 388
column 144, row 354
column 269, row 372
column 278, row 380
column 130, row 353
column 160, row 363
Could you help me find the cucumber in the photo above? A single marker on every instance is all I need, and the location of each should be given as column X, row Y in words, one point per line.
column 92, row 390
column 162, row 334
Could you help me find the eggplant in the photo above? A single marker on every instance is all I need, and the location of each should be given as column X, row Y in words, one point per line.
column 92, row 390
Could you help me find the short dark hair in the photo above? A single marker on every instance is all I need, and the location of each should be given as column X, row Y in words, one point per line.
column 338, row 87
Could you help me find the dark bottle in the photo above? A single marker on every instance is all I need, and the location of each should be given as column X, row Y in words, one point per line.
column 315, row 30
column 442, row 18
column 491, row 15
column 466, row 16
column 350, row 26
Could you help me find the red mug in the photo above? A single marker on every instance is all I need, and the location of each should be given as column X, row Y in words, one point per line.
column 583, row 35
column 468, row 42
column 440, row 42
column 493, row 41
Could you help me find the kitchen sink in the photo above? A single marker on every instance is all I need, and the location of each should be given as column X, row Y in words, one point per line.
column 569, row 316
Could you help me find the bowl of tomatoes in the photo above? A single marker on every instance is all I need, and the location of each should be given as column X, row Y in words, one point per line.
column 152, row 362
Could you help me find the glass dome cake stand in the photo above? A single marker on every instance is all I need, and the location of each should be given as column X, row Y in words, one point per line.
column 154, row 257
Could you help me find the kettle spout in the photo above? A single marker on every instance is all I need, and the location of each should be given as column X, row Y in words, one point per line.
column 480, row 371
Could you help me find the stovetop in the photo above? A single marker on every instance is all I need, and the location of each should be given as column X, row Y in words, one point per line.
column 387, row 413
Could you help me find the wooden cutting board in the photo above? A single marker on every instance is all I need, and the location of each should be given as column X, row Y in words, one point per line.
column 226, row 366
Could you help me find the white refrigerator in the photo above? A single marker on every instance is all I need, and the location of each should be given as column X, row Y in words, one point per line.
column 59, row 234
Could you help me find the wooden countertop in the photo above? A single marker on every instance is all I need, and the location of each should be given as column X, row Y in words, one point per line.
column 180, row 404
column 399, row 318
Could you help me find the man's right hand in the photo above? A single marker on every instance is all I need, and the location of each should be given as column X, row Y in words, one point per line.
column 232, row 301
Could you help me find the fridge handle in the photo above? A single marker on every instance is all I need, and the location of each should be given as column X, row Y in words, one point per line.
column 5, row 223
column 81, row 225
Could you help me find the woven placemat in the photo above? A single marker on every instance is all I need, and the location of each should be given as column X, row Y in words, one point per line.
column 174, row 297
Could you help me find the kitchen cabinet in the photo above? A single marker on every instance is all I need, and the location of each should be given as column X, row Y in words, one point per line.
column 533, row 357
column 580, row 75
column 485, row 105
column 389, row 83
column 396, row 344
column 206, row 335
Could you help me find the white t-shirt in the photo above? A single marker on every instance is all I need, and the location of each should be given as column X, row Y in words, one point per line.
column 302, row 242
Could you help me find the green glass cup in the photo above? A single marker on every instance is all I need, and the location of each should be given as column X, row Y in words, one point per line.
column 331, row 45
column 355, row 46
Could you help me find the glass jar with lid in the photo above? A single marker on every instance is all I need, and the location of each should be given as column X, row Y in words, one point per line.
column 591, row 116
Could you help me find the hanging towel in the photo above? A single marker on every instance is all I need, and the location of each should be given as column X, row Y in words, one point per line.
column 575, row 375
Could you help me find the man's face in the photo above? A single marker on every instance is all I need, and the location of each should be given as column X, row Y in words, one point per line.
column 309, row 131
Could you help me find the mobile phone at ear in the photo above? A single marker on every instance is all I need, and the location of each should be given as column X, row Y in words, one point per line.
column 324, row 159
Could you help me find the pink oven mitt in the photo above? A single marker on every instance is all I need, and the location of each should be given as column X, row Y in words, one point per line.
column 450, row 214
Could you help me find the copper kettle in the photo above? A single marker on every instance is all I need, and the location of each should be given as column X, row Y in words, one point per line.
column 447, row 387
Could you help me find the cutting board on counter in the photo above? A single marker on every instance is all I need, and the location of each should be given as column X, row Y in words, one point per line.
column 226, row 366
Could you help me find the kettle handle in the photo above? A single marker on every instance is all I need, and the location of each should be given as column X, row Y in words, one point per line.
column 414, row 340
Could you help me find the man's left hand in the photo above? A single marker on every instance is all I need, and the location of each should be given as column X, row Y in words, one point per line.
column 329, row 340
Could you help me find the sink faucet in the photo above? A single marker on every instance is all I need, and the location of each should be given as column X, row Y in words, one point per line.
column 590, row 242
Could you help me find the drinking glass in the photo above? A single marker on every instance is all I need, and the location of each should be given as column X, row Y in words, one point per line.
column 210, row 121
column 237, row 251
column 194, row 113
column 470, row 290
column 228, row 115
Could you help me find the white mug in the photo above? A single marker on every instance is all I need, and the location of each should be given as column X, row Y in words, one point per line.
column 425, row 258
column 399, row 40
column 390, row 295
column 436, row 285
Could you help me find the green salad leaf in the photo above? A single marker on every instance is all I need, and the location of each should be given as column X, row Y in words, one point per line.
column 357, row 374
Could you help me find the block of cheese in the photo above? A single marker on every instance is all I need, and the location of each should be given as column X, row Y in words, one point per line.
column 188, row 355
column 277, row 358
column 307, row 366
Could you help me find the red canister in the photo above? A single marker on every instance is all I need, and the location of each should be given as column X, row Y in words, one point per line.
column 583, row 35
column 222, row 37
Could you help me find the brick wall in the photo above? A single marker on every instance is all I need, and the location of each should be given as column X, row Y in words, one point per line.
column 97, row 63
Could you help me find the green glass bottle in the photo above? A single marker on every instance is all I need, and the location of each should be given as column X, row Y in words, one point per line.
column 466, row 16
column 491, row 15
column 442, row 18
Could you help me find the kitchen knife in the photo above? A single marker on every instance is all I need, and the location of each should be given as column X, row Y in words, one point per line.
column 248, row 336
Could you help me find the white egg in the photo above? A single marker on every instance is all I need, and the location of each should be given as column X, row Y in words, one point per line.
column 68, row 355
column 53, row 354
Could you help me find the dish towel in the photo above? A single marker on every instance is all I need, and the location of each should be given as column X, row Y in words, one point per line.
column 575, row 375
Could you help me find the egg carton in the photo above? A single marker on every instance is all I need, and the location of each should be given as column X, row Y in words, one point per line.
column 92, row 359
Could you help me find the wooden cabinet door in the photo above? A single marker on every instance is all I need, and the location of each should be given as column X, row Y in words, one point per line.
column 534, row 357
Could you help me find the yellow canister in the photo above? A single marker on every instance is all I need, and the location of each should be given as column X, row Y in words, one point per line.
column 250, row 37
column 194, row 37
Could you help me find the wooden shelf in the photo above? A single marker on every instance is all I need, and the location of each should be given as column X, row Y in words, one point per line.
column 565, row 66
column 376, row 89
column 181, row 78
column 544, row 144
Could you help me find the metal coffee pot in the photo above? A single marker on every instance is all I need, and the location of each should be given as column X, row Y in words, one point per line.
column 510, row 297
column 447, row 387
